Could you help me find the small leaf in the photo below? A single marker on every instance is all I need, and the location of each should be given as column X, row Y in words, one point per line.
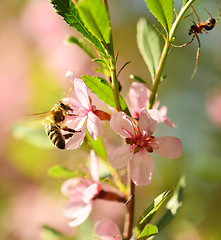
column 49, row 233
column 82, row 44
column 152, row 209
column 173, row 205
column 98, row 146
column 60, row 172
column 103, row 90
column 125, row 64
column 137, row 78
column 68, row 11
column 148, row 231
column 35, row 136
column 149, row 45
column 163, row 11
column 96, row 18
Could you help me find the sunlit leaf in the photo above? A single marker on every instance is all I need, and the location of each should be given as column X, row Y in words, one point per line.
column 148, row 231
column 152, row 209
column 35, row 136
column 69, row 13
column 49, row 233
column 82, row 44
column 103, row 90
column 60, row 172
column 149, row 45
column 98, row 146
column 96, row 18
column 163, row 11
column 173, row 205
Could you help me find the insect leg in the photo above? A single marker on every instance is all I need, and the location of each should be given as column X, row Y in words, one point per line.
column 65, row 128
column 198, row 18
column 183, row 45
column 219, row 12
column 197, row 56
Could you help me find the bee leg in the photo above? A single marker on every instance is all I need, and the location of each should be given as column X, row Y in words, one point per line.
column 67, row 136
column 65, row 128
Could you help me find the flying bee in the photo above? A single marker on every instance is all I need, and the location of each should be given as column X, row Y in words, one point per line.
column 54, row 124
column 200, row 27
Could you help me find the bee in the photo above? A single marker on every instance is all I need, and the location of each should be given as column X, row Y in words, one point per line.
column 54, row 125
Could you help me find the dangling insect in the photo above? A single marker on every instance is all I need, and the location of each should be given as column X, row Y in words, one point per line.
column 200, row 27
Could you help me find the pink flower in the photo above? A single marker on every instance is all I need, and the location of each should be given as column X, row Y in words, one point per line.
column 213, row 106
column 140, row 142
column 81, row 192
column 139, row 96
column 108, row 230
column 85, row 116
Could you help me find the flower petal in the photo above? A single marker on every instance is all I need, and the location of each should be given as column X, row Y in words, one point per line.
column 120, row 156
column 168, row 147
column 146, row 123
column 142, row 166
column 82, row 92
column 122, row 124
column 139, row 96
column 77, row 139
column 90, row 192
column 94, row 127
column 108, row 230
column 82, row 215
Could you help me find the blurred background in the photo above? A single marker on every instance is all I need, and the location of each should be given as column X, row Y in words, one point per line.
column 33, row 63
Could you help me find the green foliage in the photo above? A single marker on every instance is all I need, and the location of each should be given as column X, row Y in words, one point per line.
column 163, row 11
column 103, row 90
column 35, row 136
column 48, row 233
column 98, row 146
column 96, row 18
column 173, row 205
column 148, row 231
column 151, row 210
column 82, row 44
column 68, row 11
column 58, row 171
column 149, row 45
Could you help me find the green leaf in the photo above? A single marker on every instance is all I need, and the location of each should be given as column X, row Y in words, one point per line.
column 69, row 13
column 48, row 233
column 103, row 90
column 137, row 78
column 149, row 45
column 82, row 44
column 125, row 64
column 95, row 16
column 58, row 171
column 34, row 135
column 163, row 11
column 152, row 209
column 98, row 146
column 148, row 231
column 173, row 205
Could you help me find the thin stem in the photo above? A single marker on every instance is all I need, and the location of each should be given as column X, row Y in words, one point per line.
column 129, row 216
column 165, row 52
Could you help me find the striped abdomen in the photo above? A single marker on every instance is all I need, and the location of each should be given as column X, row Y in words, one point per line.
column 55, row 135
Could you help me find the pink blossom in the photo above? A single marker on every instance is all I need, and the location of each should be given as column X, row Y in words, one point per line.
column 139, row 96
column 108, row 230
column 213, row 106
column 84, row 115
column 81, row 192
column 140, row 142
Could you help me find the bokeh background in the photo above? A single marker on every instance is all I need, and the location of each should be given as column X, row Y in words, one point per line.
column 33, row 63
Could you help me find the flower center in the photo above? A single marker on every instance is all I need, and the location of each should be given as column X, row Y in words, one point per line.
column 141, row 142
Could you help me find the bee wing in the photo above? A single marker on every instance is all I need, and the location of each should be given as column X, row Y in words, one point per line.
column 36, row 119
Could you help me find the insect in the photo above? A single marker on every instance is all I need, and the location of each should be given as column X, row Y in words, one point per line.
column 54, row 125
column 200, row 27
